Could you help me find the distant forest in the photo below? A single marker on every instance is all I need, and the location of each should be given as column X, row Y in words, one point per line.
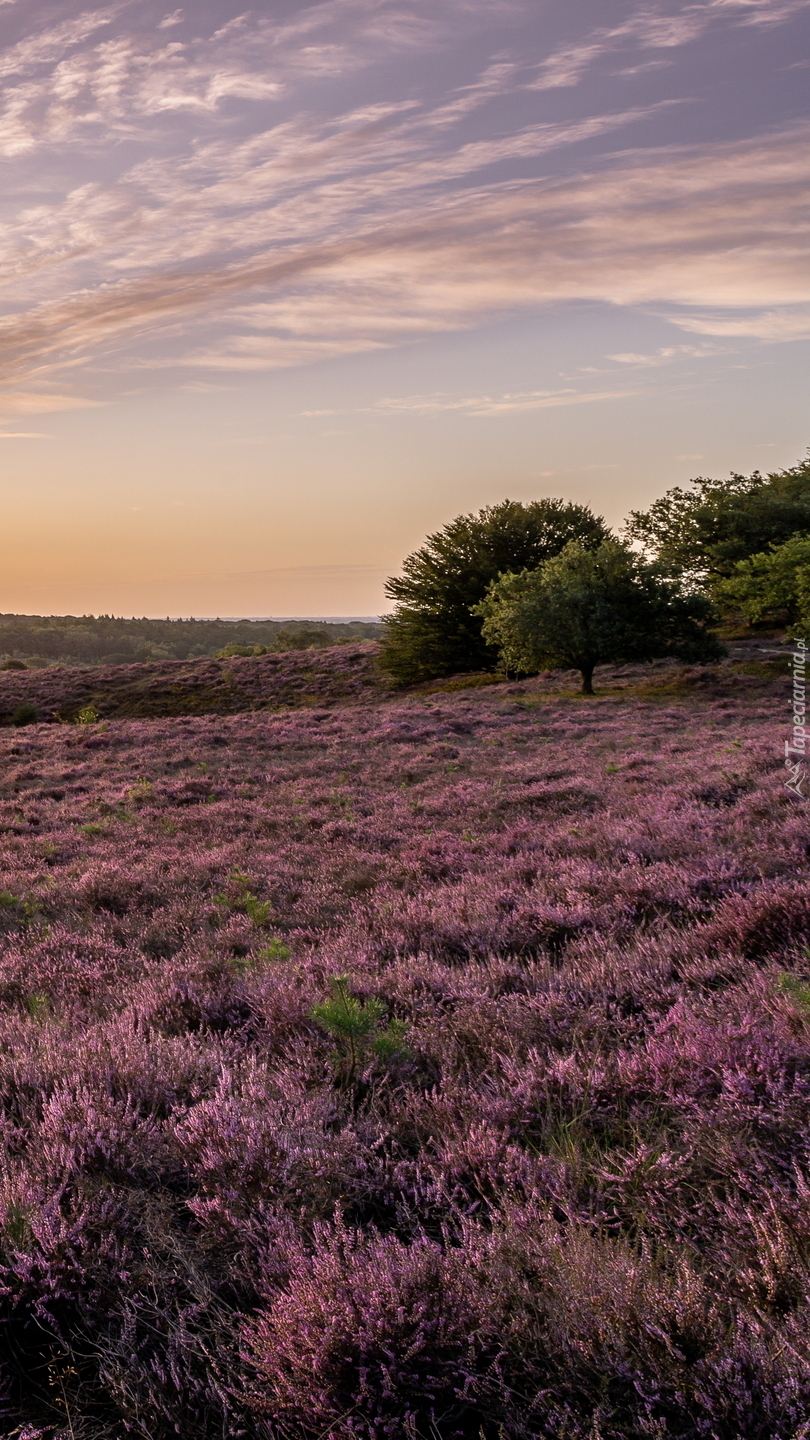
column 104, row 640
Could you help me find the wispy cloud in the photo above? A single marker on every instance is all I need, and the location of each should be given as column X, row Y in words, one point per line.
column 494, row 404
column 721, row 237
column 52, row 44
column 242, row 233
column 648, row 29
column 665, row 355
column 786, row 323
column 19, row 402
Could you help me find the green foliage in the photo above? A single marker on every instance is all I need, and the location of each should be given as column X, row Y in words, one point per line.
column 275, row 951
column 25, row 714
column 309, row 636
column 359, row 1030
column 771, row 585
column 434, row 630
column 17, row 1231
column 707, row 530
column 88, row 715
column 38, row 1006
column 587, row 607
column 19, row 908
column 239, row 896
column 242, row 965
column 259, row 911
column 141, row 791
column 244, row 650
column 108, row 640
column 798, row 991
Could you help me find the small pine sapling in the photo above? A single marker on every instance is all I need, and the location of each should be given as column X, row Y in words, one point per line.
column 358, row 1029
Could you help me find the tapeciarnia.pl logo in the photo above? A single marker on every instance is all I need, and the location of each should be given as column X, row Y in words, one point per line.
column 796, row 747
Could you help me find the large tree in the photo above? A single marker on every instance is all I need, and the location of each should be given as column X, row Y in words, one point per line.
column 585, row 608
column 706, row 530
column 432, row 631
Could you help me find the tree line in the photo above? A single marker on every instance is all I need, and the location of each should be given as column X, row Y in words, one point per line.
column 546, row 585
column 109, row 640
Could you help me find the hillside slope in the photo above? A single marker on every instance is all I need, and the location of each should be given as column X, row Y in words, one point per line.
column 194, row 687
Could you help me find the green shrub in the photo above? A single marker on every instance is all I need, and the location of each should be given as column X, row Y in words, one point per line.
column 276, row 950
column 239, row 896
column 25, row 714
column 773, row 585
column 245, row 650
column 798, row 991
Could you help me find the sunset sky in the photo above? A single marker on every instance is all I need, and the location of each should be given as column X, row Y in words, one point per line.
column 285, row 289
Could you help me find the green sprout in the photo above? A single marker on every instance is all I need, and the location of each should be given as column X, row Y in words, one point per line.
column 38, row 1005
column 239, row 896
column 359, row 1030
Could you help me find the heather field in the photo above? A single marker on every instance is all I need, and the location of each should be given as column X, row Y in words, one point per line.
column 424, row 1066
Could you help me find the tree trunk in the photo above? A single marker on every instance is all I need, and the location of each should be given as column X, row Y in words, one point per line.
column 587, row 679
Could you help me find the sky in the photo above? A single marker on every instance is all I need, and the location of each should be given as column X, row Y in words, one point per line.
column 284, row 290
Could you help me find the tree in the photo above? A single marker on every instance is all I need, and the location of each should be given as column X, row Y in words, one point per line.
column 704, row 532
column 774, row 584
column 584, row 608
column 434, row 630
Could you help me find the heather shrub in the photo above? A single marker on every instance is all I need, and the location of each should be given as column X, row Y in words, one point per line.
column 776, row 917
column 599, row 1336
column 371, row 1337
column 256, row 1146
column 166, row 1361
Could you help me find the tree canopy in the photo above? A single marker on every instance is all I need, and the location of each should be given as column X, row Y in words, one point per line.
column 705, row 531
column 771, row 585
column 584, row 608
column 434, row 631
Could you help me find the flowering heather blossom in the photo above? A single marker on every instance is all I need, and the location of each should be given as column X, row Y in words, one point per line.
column 562, row 1189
